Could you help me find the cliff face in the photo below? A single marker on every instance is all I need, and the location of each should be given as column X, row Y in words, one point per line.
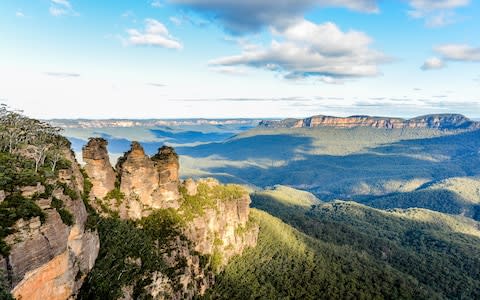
column 212, row 219
column 441, row 121
column 50, row 259
column 144, row 183
column 148, row 183
column 98, row 167
column 223, row 229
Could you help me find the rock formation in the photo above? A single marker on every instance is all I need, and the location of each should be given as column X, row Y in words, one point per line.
column 440, row 121
column 215, row 218
column 223, row 228
column 98, row 167
column 144, row 183
column 50, row 260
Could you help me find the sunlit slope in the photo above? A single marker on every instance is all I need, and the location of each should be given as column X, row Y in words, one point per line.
column 289, row 196
column 460, row 196
column 440, row 251
column 287, row 264
column 340, row 163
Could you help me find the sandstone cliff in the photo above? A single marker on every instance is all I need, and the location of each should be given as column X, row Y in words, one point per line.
column 98, row 167
column 207, row 224
column 440, row 121
column 139, row 184
column 50, row 255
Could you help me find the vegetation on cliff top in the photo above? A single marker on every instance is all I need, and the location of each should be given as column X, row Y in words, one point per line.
column 207, row 196
column 31, row 153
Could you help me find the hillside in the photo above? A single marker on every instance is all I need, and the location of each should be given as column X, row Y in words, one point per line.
column 338, row 163
column 457, row 195
column 289, row 264
column 419, row 254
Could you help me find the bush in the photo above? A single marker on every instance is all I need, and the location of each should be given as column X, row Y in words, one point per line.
column 65, row 215
column 68, row 191
column 16, row 171
column 123, row 244
column 12, row 209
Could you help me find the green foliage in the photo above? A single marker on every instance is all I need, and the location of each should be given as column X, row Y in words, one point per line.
column 68, row 191
column 16, row 171
column 13, row 208
column 440, row 252
column 93, row 218
column 438, row 199
column 207, row 197
column 287, row 264
column 115, row 194
column 130, row 252
column 65, row 215
column 216, row 260
column 4, row 291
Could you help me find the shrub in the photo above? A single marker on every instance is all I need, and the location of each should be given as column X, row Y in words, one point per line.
column 65, row 215
column 12, row 209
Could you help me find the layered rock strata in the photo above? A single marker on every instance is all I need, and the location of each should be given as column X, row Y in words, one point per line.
column 440, row 121
column 50, row 260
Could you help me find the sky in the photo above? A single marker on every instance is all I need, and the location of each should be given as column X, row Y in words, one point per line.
column 239, row 59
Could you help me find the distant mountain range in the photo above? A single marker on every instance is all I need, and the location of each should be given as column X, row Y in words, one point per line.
column 436, row 121
column 109, row 123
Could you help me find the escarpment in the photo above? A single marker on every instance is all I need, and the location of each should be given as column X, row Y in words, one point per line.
column 49, row 249
column 439, row 121
column 190, row 229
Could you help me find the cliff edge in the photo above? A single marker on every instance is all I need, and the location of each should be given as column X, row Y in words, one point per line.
column 438, row 121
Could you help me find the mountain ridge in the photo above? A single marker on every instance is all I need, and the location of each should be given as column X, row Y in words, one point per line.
column 432, row 121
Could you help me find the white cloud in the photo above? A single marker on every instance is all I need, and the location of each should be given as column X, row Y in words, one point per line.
column 62, row 74
column 430, row 5
column 64, row 3
column 437, row 13
column 19, row 14
column 307, row 49
column 176, row 21
column 433, row 63
column 61, row 8
column 155, row 34
column 157, row 4
column 57, row 12
column 230, row 70
column 459, row 52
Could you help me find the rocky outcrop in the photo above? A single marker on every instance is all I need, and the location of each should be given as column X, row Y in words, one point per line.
column 50, row 260
column 98, row 167
column 223, row 229
column 148, row 183
column 440, row 121
column 144, row 183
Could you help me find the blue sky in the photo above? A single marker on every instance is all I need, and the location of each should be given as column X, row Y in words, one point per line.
column 218, row 58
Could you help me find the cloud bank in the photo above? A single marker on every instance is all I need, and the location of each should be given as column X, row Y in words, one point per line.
column 306, row 49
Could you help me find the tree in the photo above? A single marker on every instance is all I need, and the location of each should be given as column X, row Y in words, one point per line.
column 14, row 128
column 17, row 131
column 56, row 152
column 43, row 138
